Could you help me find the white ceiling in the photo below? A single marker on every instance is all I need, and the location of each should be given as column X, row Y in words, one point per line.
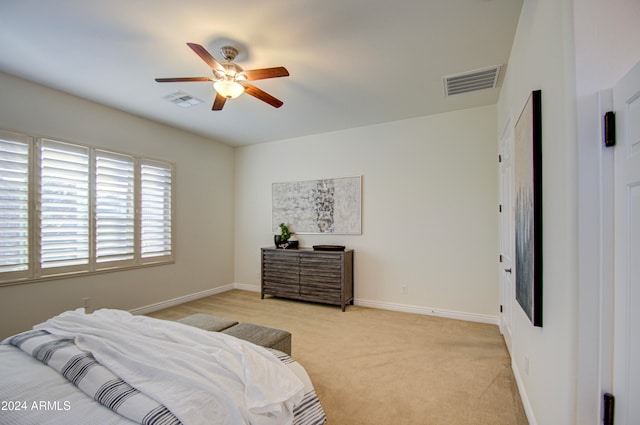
column 352, row 62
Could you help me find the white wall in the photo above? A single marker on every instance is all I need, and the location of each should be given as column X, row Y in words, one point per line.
column 204, row 207
column 429, row 208
column 571, row 50
column 606, row 38
column 542, row 58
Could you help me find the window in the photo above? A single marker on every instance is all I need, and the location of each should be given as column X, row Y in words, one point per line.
column 115, row 209
column 67, row 208
column 64, row 206
column 14, row 205
column 156, row 210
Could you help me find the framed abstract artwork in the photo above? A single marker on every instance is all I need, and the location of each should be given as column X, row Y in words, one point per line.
column 318, row 206
column 528, row 208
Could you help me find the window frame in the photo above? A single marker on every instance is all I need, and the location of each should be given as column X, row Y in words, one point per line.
column 35, row 272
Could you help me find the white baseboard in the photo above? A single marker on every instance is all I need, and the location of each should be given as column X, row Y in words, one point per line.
column 245, row 287
column 470, row 317
column 404, row 308
column 180, row 300
column 526, row 404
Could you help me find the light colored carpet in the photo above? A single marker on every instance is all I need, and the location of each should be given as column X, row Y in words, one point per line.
column 374, row 366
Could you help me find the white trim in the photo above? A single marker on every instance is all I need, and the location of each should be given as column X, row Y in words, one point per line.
column 180, row 300
column 428, row 311
column 403, row 308
column 246, row 287
column 526, row 404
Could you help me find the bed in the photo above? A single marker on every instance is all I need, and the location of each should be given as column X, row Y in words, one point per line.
column 111, row 367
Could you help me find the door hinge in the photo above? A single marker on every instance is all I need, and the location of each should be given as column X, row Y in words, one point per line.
column 499, row 158
column 501, row 258
column 500, row 308
column 609, row 129
column 608, row 409
column 500, row 208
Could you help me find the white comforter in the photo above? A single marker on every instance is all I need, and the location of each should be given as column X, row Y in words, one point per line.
column 198, row 375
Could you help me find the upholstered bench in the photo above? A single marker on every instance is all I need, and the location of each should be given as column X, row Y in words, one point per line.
column 259, row 335
column 208, row 322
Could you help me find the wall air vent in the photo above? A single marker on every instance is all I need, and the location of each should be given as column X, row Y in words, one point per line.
column 485, row 78
column 182, row 99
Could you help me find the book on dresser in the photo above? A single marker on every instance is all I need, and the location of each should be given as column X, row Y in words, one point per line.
column 308, row 275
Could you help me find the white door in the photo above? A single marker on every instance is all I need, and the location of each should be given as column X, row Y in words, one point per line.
column 507, row 236
column 626, row 358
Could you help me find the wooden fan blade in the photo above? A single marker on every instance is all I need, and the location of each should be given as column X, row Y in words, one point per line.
column 218, row 102
column 261, row 74
column 206, row 56
column 262, row 95
column 183, row 79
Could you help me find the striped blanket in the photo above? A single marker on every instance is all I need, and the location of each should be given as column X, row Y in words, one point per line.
column 95, row 380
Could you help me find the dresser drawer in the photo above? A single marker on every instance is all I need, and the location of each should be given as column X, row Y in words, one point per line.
column 320, row 294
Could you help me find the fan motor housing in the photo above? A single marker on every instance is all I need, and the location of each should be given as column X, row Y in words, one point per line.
column 229, row 52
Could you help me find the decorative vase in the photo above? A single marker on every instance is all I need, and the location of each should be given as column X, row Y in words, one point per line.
column 277, row 239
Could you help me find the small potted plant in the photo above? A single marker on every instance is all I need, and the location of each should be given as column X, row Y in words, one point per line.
column 282, row 239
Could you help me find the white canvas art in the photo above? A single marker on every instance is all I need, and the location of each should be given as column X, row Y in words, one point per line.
column 318, row 206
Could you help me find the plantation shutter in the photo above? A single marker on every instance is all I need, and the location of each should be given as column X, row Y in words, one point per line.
column 114, row 207
column 156, row 210
column 64, row 199
column 67, row 209
column 14, row 204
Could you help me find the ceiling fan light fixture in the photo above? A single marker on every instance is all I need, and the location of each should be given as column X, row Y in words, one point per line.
column 228, row 88
column 229, row 79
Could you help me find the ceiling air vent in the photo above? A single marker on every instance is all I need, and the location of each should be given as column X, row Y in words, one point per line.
column 485, row 78
column 182, row 99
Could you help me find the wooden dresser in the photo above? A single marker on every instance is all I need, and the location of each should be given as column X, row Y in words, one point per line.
column 305, row 274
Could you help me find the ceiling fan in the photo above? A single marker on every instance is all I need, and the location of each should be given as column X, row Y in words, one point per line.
column 229, row 79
